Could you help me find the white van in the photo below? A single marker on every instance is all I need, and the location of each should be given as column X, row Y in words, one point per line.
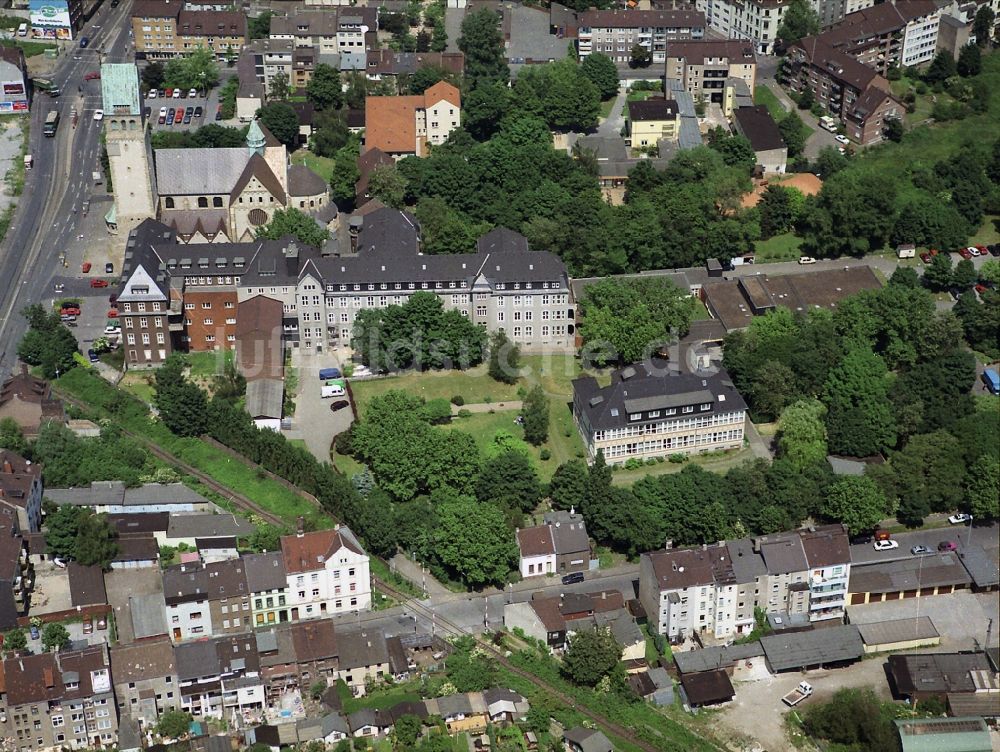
column 827, row 123
column 332, row 389
column 22, row 30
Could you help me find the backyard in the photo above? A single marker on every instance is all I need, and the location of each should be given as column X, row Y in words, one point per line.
column 322, row 166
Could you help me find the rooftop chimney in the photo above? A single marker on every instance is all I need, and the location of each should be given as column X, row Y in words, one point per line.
column 300, row 526
column 7, row 466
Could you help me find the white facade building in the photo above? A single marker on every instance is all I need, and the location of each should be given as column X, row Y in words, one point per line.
column 327, row 573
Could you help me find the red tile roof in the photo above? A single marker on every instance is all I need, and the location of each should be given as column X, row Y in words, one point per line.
column 391, row 122
column 310, row 551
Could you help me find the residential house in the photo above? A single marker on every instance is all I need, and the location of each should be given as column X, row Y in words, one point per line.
column 278, row 662
column 327, row 573
column 162, row 29
column 228, row 597
column 17, row 573
column 86, row 585
column 462, row 713
column 197, row 530
column 363, row 659
column 626, row 632
column 560, row 545
column 407, row 125
column 615, row 32
column 649, row 410
column 759, row 128
column 136, row 552
column 505, row 706
column 21, row 489
column 329, row 729
column 651, row 121
column 28, row 401
column 329, row 31
column 185, row 595
column 389, row 65
column 147, row 614
column 843, row 87
column 549, row 618
column 580, row 739
column 717, row 588
column 316, row 652
column 369, row 722
column 220, row 676
column 267, row 59
column 707, row 67
column 268, row 587
column 145, row 677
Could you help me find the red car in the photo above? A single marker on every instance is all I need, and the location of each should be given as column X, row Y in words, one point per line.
column 98, row 283
column 113, row 313
column 926, row 257
column 70, row 311
column 86, row 267
column 92, row 76
column 179, row 115
column 168, row 93
column 982, row 249
column 964, row 253
column 981, row 288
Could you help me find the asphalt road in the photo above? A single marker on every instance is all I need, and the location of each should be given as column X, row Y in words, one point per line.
column 47, row 217
column 987, row 536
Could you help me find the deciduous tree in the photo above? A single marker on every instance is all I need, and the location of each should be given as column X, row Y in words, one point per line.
column 510, row 481
column 591, row 655
column 298, row 224
column 535, row 411
column 800, row 20
column 802, row 433
column 982, row 489
column 55, row 637
column 859, row 419
column 483, row 45
column 601, row 71
column 472, row 541
column 568, row 486
column 281, row 120
column 324, row 88
column 505, row 359
column 857, row 502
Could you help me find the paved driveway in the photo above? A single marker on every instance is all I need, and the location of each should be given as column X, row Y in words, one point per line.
column 612, row 125
column 985, row 536
column 314, row 422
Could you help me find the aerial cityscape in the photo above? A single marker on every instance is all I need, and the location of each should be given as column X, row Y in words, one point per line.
column 500, row 376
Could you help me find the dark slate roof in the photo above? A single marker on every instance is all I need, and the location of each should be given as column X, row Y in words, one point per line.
column 653, row 386
column 708, row 687
column 265, row 571
column 86, row 585
column 937, row 673
column 799, row 649
column 389, row 231
column 654, row 108
column 304, row 182
column 759, row 127
column 501, row 239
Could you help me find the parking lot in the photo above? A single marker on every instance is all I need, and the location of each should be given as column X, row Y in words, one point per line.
column 314, row 421
column 209, row 105
column 960, row 618
column 51, row 590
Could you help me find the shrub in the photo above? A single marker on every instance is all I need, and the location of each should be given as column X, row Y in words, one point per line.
column 458, row 400
column 463, row 413
column 678, row 458
column 545, row 454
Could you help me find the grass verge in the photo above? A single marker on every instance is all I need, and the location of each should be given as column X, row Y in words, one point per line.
column 763, row 95
column 106, row 401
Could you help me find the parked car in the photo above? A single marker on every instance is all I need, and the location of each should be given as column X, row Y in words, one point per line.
column 92, row 355
column 112, row 313
column 960, row 518
column 339, row 405
column 168, row 92
column 973, row 251
column 178, row 93
column 163, row 116
column 98, row 115
column 98, row 283
column 885, row 545
column 151, row 94
column 35, row 634
column 921, row 550
column 178, row 114
column 218, row 113
column 965, row 253
column 187, row 116
column 842, row 139
column 192, row 93
column 110, row 329
column 170, row 117
column 59, row 287
column 88, row 625
column 861, row 539
column 109, row 268
column 102, row 622
column 981, row 288
column 572, row 577
column 807, row 260
column 67, row 317
column 84, row 41
column 198, row 111
column 85, row 267
column 926, row 257
column 994, row 249
column 146, row 112
column 92, row 76
column 947, row 546
column 70, row 310
column 113, row 298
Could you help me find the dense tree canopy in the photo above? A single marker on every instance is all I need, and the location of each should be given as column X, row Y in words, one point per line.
column 281, row 120
column 47, row 344
column 591, row 655
column 601, row 71
column 799, row 20
column 182, row 405
column 324, row 88
column 483, row 45
column 298, row 224
column 472, row 541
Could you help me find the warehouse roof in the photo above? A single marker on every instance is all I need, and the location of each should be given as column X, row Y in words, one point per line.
column 821, row 646
column 898, row 630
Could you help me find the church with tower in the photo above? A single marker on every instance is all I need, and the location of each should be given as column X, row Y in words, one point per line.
column 205, row 195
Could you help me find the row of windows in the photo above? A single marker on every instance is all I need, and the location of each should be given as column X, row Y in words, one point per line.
column 675, row 442
column 141, row 307
column 207, row 305
column 670, row 426
column 160, row 340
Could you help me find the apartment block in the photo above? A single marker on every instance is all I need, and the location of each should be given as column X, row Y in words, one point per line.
column 327, row 573
column 16, row 571
column 651, row 121
column 889, row 35
column 715, row 589
column 329, row 31
column 615, row 32
column 163, row 29
column 754, row 20
column 220, row 676
column 145, row 678
column 649, row 410
column 59, row 701
column 706, row 68
column 848, row 90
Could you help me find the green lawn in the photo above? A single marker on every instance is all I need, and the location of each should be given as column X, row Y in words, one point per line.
column 763, row 95
column 989, row 233
column 553, row 372
column 606, row 106
column 379, row 699
column 322, row 166
column 209, row 362
column 779, row 248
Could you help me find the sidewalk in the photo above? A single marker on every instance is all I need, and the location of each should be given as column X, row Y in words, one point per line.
column 485, row 407
column 410, row 570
